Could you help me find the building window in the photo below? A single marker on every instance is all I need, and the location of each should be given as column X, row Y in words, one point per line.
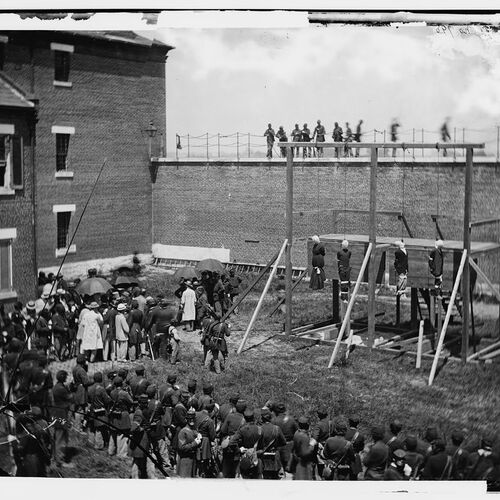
column 63, row 219
column 11, row 160
column 62, row 146
column 6, row 237
column 61, row 66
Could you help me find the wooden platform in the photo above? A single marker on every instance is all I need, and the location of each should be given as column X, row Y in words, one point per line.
column 418, row 251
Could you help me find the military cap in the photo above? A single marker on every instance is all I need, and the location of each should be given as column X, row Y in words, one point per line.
column 431, row 434
column 172, row 379
column 191, row 414
column 322, row 412
column 192, row 383
column 303, row 421
column 122, row 372
column 279, row 408
column 241, row 405
column 143, row 398
column 266, row 414
column 80, row 359
column 248, row 414
column 411, row 442
column 61, row 376
column 399, row 454
column 395, row 426
column 185, row 395
column 457, row 436
column 354, row 420
column 439, row 445
column 117, row 381
column 97, row 377
column 377, row 432
column 151, row 391
column 208, row 387
column 140, row 369
column 340, row 426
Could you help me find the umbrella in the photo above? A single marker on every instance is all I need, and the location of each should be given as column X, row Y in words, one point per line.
column 212, row 265
column 125, row 281
column 186, row 272
column 91, row 286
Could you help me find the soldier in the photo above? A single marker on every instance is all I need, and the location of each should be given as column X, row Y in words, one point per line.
column 205, row 425
column 319, row 134
column 459, row 455
column 321, row 432
column 397, row 470
column 271, row 440
column 189, row 440
column 482, row 462
column 281, row 135
column 230, row 456
column 377, row 458
column 207, row 397
column 136, row 341
column 179, row 416
column 269, row 135
column 217, row 354
column 338, row 454
column 296, row 135
column 139, row 440
column 81, row 382
column 337, row 136
column 161, row 319
column 413, row 458
column 228, row 407
column 191, row 387
column 438, row 465
column 393, row 438
column 436, row 262
column 246, row 440
column 99, row 403
column 304, row 451
column 401, row 267
column 357, row 135
column 394, row 134
column 139, row 383
column 41, row 386
column 119, row 417
column 445, row 133
column 32, row 447
column 289, row 427
column 348, row 140
column 357, row 439
column 424, row 446
column 306, row 137
column 60, row 412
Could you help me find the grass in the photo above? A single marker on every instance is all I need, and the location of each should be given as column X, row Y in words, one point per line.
column 374, row 384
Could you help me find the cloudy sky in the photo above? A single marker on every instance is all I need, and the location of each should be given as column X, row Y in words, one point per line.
column 238, row 80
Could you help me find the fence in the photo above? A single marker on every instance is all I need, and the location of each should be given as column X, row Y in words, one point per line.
column 242, row 146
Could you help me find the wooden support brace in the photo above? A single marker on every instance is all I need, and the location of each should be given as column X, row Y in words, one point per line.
column 483, row 351
column 491, row 355
column 481, row 273
column 419, row 346
column 350, row 305
column 447, row 318
column 261, row 300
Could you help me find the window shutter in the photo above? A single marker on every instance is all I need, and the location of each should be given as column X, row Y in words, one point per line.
column 17, row 162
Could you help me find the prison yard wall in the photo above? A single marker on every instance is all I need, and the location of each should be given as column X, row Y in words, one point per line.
column 241, row 205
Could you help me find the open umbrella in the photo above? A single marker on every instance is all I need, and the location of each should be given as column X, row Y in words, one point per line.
column 212, row 265
column 186, row 272
column 125, row 281
column 91, row 286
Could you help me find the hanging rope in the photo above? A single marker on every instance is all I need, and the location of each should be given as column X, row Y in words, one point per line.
column 345, row 198
column 403, row 192
column 317, row 196
column 437, row 191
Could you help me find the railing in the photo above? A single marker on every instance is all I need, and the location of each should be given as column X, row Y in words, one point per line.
column 241, row 146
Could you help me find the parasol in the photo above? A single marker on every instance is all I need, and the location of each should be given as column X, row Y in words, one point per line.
column 91, row 286
column 125, row 281
column 186, row 272
column 213, row 265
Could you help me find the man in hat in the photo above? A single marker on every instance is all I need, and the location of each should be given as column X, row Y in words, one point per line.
column 81, row 382
column 401, row 267
column 436, row 263
column 139, row 383
column 230, row 456
column 205, row 424
column 193, row 397
column 306, row 137
column 323, row 429
column 119, row 417
column 122, row 331
column 344, row 267
column 41, row 386
column 397, row 470
column 234, row 284
column 136, row 340
column 244, row 442
column 319, row 134
column 60, row 328
column 219, row 295
column 109, row 331
column 189, row 440
column 304, row 451
column 208, row 395
column 413, row 458
column 62, row 398
column 269, row 134
column 338, row 454
column 438, row 465
column 270, row 441
column 139, row 442
column 99, row 403
column 161, row 319
column 459, row 455
column 216, row 337
column 377, row 458
column 296, row 135
column 139, row 297
column 188, row 306
column 393, row 438
column 482, row 462
column 289, row 427
column 228, row 407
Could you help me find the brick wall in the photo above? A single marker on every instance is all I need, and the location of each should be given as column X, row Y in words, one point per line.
column 16, row 211
column 223, row 204
column 116, row 91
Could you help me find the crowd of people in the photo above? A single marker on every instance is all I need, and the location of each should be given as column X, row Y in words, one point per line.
column 168, row 428
column 347, row 136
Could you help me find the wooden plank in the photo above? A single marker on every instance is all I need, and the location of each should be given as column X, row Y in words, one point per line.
column 485, row 278
column 491, row 355
column 483, row 351
column 447, row 318
column 377, row 145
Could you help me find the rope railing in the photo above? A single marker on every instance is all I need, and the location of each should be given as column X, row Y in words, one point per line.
column 251, row 145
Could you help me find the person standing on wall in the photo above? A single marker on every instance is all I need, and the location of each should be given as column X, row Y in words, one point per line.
column 319, row 134
column 269, row 135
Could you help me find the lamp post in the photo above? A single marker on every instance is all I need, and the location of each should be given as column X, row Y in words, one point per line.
column 151, row 132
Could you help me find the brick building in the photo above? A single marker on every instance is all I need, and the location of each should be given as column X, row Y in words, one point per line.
column 97, row 93
column 17, row 214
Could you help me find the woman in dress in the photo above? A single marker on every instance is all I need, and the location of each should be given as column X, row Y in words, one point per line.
column 318, row 263
column 91, row 331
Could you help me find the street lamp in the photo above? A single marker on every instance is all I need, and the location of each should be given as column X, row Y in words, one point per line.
column 150, row 132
